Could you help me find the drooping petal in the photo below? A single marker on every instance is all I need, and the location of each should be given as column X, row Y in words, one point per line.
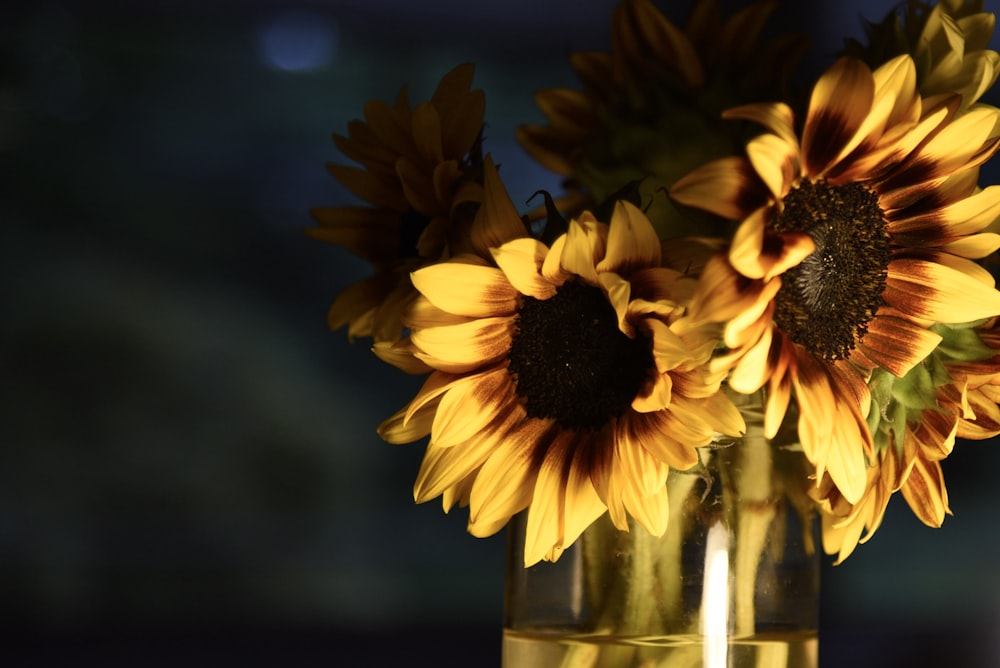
column 400, row 354
column 544, row 523
column 925, row 492
column 706, row 416
column 754, row 369
column 444, row 467
column 505, row 484
column 582, row 504
column 830, row 435
column 405, row 426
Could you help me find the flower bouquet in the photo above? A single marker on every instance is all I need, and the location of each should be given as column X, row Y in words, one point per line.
column 755, row 306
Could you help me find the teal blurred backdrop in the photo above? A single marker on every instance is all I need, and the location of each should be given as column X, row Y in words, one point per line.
column 189, row 471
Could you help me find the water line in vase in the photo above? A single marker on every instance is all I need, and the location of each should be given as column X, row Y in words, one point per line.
column 715, row 598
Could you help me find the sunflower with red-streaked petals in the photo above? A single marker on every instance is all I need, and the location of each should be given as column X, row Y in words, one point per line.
column 565, row 380
column 649, row 108
column 980, row 402
column 869, row 238
column 916, row 420
column 419, row 171
column 948, row 41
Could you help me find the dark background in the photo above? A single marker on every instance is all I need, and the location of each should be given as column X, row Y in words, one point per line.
column 188, row 466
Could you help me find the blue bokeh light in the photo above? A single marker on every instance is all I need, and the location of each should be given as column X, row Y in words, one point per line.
column 298, row 41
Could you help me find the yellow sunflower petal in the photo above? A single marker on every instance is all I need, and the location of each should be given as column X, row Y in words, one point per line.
column 840, row 102
column 445, row 466
column 727, row 187
column 581, row 251
column 966, row 216
column 897, row 79
column 754, row 368
column 669, row 350
column 827, row 431
column 706, row 415
column 933, row 291
column 778, row 397
column 776, row 162
column 966, row 142
column 935, row 434
column 422, row 313
column 436, row 384
column 406, row 425
column 643, row 471
column 619, row 293
column 543, row 530
column 506, row 481
column 652, row 431
column 466, row 290
column 897, row 345
column 470, row 405
column 521, row 262
column 464, row 347
column 925, row 492
column 745, row 249
column 632, row 242
column 898, row 143
column 400, row 355
column 651, row 510
column 756, row 254
column 497, row 220
column 656, row 397
column 974, row 246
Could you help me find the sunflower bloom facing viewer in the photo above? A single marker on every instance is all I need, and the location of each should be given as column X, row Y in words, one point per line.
column 869, row 237
column 419, row 174
column 649, row 107
column 565, row 380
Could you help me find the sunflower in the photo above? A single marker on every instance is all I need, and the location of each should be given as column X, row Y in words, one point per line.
column 565, row 379
column 960, row 383
column 419, row 172
column 948, row 41
column 869, row 238
column 649, row 108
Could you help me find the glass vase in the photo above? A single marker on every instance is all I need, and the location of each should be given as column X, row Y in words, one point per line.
column 734, row 581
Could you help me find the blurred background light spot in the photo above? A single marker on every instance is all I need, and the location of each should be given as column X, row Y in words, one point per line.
column 298, row 41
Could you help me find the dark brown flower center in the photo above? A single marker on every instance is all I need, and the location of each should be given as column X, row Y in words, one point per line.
column 572, row 363
column 826, row 302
